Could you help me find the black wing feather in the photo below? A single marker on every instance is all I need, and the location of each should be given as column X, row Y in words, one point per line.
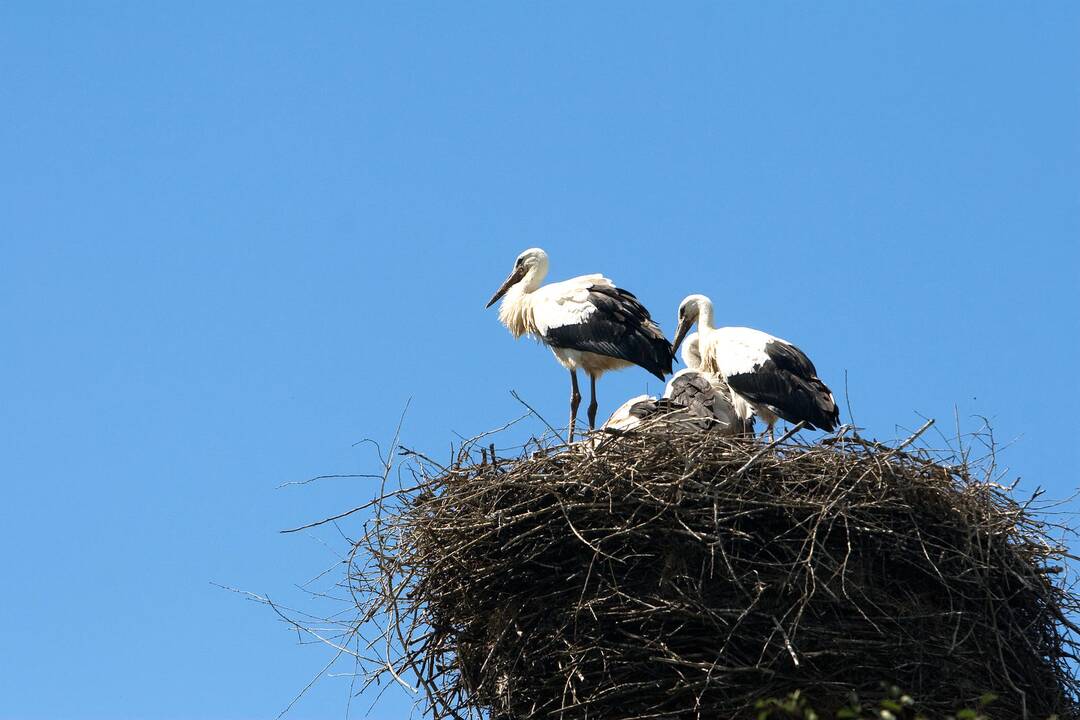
column 787, row 383
column 620, row 327
column 790, row 358
column 695, row 392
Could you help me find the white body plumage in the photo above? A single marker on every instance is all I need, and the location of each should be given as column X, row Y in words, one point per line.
column 587, row 322
column 769, row 374
column 528, row 308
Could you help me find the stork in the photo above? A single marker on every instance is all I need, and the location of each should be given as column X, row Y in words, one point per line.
column 707, row 393
column 775, row 378
column 586, row 321
column 693, row 400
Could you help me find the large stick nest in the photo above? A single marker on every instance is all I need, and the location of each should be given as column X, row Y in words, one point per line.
column 675, row 575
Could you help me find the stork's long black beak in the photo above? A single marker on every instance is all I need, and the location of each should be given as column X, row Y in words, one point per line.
column 519, row 272
column 680, row 334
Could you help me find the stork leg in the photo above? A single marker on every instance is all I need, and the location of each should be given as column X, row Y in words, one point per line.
column 575, row 400
column 592, row 402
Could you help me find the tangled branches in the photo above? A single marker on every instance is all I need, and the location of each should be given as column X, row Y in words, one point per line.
column 674, row 575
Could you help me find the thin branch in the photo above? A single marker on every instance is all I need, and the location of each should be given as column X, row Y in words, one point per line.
column 794, row 429
column 555, row 432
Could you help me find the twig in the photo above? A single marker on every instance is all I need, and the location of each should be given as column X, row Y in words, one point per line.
column 549, row 427
column 847, row 401
column 915, row 435
column 389, row 463
column 796, row 428
column 328, row 477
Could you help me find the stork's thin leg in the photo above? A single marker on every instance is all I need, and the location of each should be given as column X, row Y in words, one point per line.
column 575, row 400
column 592, row 403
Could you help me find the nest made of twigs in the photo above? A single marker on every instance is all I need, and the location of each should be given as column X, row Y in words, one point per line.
column 674, row 575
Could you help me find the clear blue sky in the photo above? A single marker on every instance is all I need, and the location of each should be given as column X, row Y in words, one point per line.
column 236, row 239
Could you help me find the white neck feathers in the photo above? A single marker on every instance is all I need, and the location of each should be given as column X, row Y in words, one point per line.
column 705, row 315
column 691, row 355
column 516, row 311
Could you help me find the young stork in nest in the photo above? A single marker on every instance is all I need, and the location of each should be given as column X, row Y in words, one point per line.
column 586, row 321
column 773, row 377
column 693, row 400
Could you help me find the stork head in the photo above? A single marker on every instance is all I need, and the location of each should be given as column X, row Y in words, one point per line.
column 531, row 264
column 690, row 311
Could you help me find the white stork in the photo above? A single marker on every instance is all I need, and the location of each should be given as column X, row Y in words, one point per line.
column 773, row 376
column 693, row 399
column 586, row 321
column 707, row 394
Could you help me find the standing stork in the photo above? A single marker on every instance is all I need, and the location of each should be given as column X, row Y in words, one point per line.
column 586, row 321
column 773, row 376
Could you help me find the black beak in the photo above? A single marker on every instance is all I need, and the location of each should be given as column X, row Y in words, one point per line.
column 519, row 272
column 680, row 334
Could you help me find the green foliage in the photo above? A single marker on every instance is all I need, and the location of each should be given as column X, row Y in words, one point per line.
column 793, row 706
column 894, row 704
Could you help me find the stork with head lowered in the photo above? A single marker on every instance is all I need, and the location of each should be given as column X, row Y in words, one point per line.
column 693, row 400
column 774, row 377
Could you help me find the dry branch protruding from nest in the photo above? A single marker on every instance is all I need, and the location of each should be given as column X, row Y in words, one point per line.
column 645, row 577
